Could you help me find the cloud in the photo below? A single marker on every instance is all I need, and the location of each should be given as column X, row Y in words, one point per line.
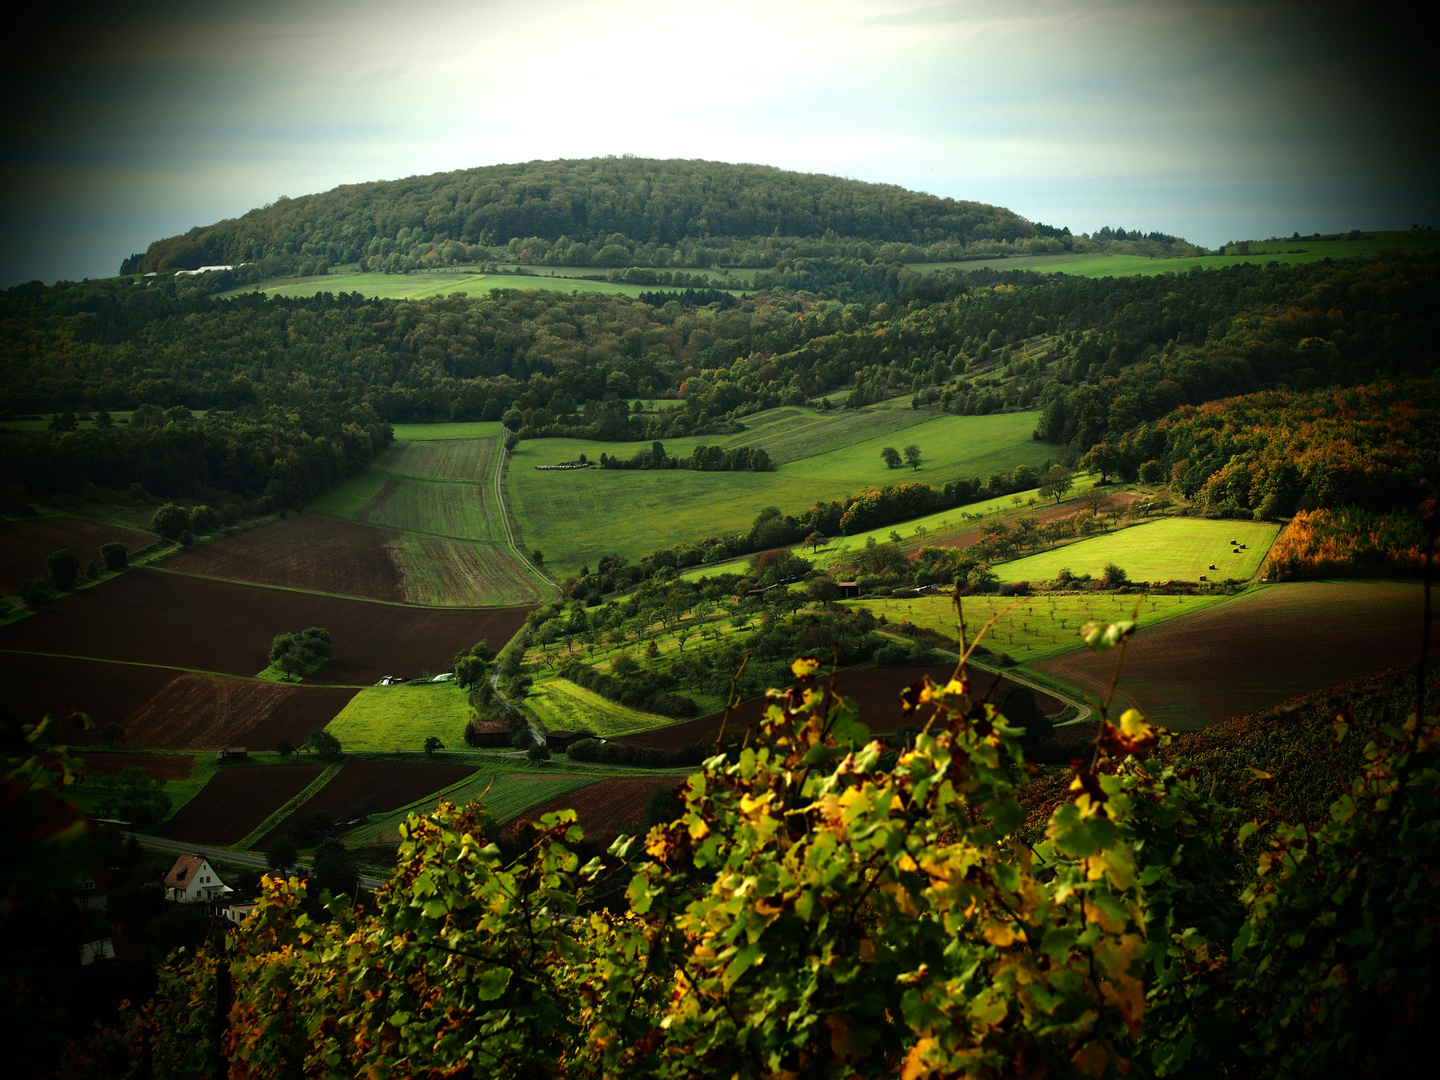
column 1207, row 119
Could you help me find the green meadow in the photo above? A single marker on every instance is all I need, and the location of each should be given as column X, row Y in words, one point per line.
column 1174, row 549
column 423, row 285
column 561, row 705
column 402, row 717
column 576, row 517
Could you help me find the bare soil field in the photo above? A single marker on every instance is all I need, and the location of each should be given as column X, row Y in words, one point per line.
column 107, row 693
column 209, row 712
column 311, row 552
column 156, row 766
column 149, row 616
column 605, row 808
column 236, row 801
column 386, row 785
column 876, row 689
column 1256, row 651
column 25, row 545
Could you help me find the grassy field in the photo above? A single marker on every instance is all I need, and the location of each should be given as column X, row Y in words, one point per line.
column 402, row 717
column 434, row 487
column 576, row 517
column 1175, row 549
column 1262, row 252
column 561, row 705
column 1039, row 627
column 424, row 284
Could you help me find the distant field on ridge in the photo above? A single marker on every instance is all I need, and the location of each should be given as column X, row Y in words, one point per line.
column 576, row 517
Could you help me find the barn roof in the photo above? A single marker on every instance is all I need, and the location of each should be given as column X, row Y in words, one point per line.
column 183, row 872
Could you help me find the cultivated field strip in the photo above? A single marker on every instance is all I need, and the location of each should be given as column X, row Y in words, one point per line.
column 606, row 807
column 1257, row 650
column 149, row 616
column 462, row 511
column 442, row 459
column 237, row 801
column 25, row 545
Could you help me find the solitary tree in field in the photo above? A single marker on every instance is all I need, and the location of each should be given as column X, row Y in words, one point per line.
column 170, row 521
column 432, row 744
column 112, row 734
column 814, row 540
column 64, row 569
column 284, row 747
column 891, row 456
column 1055, row 483
column 323, row 744
column 912, row 456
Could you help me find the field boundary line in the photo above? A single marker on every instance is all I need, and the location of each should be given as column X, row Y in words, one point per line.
column 313, row 788
column 186, row 670
column 498, row 487
column 343, row 596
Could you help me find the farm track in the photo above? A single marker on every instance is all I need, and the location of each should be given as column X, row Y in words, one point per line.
column 498, row 487
column 389, row 786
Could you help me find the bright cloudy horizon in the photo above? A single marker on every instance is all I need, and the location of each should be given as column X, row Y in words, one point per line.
column 1215, row 121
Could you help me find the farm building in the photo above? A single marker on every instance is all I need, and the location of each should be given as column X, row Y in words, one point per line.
column 91, row 893
column 236, row 913
column 233, row 754
column 560, row 741
column 192, row 880
column 487, row 734
column 848, row 589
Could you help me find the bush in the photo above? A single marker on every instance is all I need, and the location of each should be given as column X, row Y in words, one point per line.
column 64, row 569
column 35, row 594
column 676, row 706
column 170, row 521
column 203, row 520
column 538, row 754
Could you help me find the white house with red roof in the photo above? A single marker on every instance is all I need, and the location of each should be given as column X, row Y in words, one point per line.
column 192, row 880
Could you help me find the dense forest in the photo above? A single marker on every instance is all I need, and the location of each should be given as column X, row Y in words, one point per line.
column 598, row 212
column 1098, row 356
column 627, row 212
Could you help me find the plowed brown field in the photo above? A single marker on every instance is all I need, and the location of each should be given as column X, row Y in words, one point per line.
column 312, row 552
column 149, row 616
column 1257, row 650
column 208, row 712
column 156, row 766
column 25, row 545
column 236, row 800
column 388, row 786
column 604, row 808
column 877, row 690
column 108, row 693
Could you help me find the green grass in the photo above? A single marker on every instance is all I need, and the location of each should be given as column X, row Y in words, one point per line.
column 426, row 284
column 274, row 674
column 89, row 795
column 1040, row 626
column 475, row 429
column 576, row 517
column 401, row 717
column 1262, row 253
column 561, row 705
column 1175, row 549
column 347, row 499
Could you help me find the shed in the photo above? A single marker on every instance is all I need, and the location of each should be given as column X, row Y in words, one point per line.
column 848, row 589
column 233, row 753
column 488, row 734
column 560, row 742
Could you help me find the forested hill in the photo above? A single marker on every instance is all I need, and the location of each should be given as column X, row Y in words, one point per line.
column 597, row 212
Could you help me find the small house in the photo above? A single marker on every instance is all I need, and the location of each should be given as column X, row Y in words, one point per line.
column 192, row 880
column 848, row 589
column 488, row 734
column 237, row 913
column 233, row 755
column 91, row 893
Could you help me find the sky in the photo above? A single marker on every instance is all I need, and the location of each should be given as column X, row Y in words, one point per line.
column 1215, row 121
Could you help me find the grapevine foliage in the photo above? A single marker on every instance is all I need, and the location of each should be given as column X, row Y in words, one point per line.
column 810, row 914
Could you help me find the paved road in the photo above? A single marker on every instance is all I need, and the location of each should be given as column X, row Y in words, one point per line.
column 240, row 858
